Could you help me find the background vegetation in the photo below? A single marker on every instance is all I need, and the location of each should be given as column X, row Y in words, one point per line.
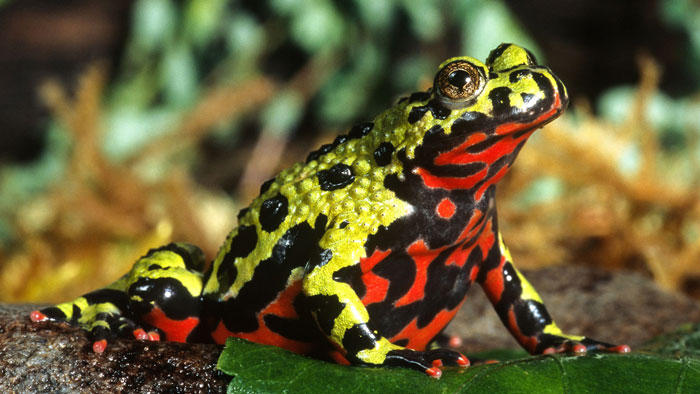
column 127, row 124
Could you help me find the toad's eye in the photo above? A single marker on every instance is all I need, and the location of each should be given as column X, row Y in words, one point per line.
column 459, row 81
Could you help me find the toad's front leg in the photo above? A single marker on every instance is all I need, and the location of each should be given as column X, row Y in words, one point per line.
column 158, row 296
column 521, row 309
column 344, row 320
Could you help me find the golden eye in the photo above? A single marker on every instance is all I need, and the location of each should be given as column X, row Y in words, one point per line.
column 458, row 81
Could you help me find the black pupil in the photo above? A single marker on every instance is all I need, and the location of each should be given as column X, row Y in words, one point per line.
column 459, row 78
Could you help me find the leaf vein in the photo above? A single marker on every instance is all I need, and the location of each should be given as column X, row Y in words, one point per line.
column 681, row 374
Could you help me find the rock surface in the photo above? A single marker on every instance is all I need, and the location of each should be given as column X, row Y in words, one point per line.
column 616, row 307
column 58, row 358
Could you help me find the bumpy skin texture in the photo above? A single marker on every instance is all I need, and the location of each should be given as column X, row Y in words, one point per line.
column 366, row 251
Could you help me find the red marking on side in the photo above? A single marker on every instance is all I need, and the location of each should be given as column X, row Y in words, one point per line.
column 508, row 145
column 474, row 273
column 446, row 208
column 470, row 230
column 488, row 239
column 376, row 285
column 529, row 343
column 494, row 286
column 418, row 338
column 497, row 177
column 459, row 155
column 513, row 127
column 282, row 306
column 175, row 330
column 450, row 183
column 422, row 256
column 220, row 334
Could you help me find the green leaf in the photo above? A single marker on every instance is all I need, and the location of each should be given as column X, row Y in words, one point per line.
column 258, row 368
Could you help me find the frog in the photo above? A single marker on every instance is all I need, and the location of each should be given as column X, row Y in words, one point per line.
column 364, row 252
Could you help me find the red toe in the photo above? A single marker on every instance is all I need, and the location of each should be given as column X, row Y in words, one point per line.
column 140, row 334
column 463, row 361
column 153, row 336
column 99, row 346
column 37, row 316
column 621, row 349
column 578, row 348
column 434, row 372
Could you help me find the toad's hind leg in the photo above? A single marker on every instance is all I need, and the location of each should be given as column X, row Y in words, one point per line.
column 521, row 309
column 159, row 295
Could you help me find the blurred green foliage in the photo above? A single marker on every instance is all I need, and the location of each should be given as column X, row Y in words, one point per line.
column 363, row 54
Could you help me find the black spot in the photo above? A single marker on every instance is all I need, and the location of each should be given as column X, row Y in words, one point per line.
column 351, row 275
column 517, row 75
column 272, row 212
column 357, row 131
column 435, row 107
column 326, row 308
column 417, row 113
column 226, row 273
column 382, row 155
column 266, row 185
column 242, row 213
column 360, row 130
column 438, row 110
column 500, row 100
column 336, row 177
column 169, row 294
column 241, row 245
column 343, row 224
column 191, row 255
column 320, row 152
column 527, row 97
column 496, row 53
column 531, row 59
column 341, row 139
column 357, row 338
column 418, row 96
column 320, row 224
column 493, row 75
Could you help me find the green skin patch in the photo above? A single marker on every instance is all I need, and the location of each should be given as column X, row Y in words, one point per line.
column 366, row 251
